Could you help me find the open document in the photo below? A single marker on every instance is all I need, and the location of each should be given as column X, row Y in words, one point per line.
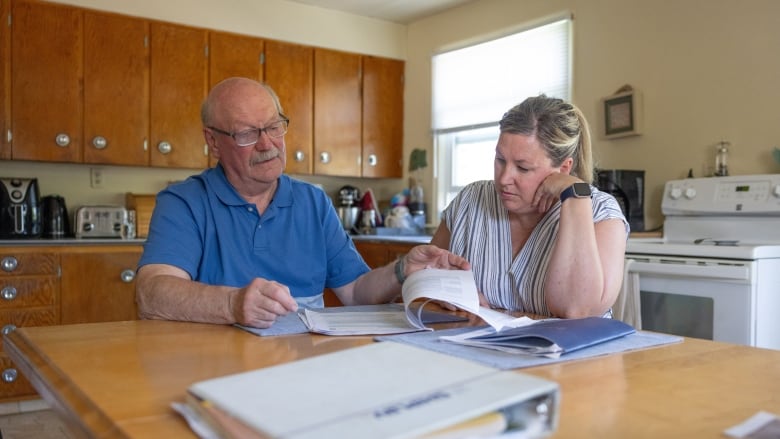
column 456, row 287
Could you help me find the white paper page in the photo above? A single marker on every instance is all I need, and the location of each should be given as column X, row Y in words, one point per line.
column 357, row 323
column 456, row 287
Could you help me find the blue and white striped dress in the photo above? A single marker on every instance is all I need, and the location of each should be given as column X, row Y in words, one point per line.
column 479, row 228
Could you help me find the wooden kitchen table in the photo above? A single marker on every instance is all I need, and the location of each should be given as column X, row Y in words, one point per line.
column 118, row 379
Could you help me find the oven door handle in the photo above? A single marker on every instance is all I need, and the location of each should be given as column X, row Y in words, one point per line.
column 732, row 272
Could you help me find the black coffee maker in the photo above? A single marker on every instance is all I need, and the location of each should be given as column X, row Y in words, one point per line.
column 628, row 187
column 20, row 215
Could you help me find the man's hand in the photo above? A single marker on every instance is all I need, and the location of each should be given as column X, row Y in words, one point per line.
column 261, row 302
column 430, row 256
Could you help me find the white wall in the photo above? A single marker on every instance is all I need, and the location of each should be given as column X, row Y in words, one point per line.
column 707, row 70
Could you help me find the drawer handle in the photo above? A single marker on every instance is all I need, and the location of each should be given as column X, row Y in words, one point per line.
column 9, row 328
column 9, row 375
column 9, row 263
column 62, row 140
column 164, row 147
column 8, row 293
column 127, row 276
column 99, row 142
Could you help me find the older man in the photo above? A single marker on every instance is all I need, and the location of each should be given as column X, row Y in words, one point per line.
column 244, row 243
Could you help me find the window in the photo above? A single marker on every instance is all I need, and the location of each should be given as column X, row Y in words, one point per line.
column 474, row 86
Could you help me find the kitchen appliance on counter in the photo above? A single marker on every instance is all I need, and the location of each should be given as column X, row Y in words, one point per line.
column 56, row 222
column 716, row 271
column 347, row 209
column 20, row 216
column 104, row 222
column 628, row 187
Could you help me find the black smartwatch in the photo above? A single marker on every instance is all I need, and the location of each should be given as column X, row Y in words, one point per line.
column 577, row 190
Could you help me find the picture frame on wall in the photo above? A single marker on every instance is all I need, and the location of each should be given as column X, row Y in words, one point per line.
column 622, row 114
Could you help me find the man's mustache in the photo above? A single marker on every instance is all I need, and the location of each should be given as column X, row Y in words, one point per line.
column 266, row 155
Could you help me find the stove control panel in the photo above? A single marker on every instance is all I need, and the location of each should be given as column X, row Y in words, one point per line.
column 738, row 195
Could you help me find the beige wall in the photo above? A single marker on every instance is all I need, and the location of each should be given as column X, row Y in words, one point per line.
column 707, row 69
column 276, row 19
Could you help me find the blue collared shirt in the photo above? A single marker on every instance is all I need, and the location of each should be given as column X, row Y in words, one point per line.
column 203, row 226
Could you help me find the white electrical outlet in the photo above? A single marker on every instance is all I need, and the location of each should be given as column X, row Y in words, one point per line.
column 96, row 178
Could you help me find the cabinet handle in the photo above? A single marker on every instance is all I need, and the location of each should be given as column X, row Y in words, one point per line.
column 9, row 375
column 299, row 156
column 99, row 142
column 127, row 275
column 325, row 157
column 62, row 140
column 9, row 263
column 372, row 160
column 164, row 147
column 8, row 293
column 9, row 328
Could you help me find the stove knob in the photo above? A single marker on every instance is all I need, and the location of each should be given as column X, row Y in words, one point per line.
column 690, row 193
column 776, row 191
column 675, row 193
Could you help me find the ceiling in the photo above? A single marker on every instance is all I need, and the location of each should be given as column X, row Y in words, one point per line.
column 398, row 11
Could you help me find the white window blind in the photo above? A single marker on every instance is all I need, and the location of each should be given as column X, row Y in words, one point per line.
column 477, row 84
column 474, row 86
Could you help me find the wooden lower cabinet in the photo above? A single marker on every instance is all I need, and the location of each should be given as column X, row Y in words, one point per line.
column 376, row 254
column 380, row 253
column 98, row 284
column 29, row 296
column 51, row 285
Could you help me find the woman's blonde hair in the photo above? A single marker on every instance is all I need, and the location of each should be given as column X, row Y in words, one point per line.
column 559, row 126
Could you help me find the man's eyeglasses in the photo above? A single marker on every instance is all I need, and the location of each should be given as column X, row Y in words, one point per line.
column 251, row 136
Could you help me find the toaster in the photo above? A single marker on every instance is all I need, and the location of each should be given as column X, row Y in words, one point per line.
column 101, row 222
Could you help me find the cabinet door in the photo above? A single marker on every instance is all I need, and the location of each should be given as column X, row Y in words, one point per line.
column 337, row 113
column 289, row 70
column 179, row 71
column 5, row 82
column 116, row 89
column 383, row 117
column 46, row 77
column 233, row 55
column 107, row 293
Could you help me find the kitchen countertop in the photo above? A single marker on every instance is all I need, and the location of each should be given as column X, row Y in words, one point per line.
column 40, row 242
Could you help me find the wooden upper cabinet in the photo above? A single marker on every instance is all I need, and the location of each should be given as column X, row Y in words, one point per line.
column 116, row 89
column 383, row 123
column 5, row 82
column 179, row 80
column 233, row 55
column 337, row 113
column 289, row 70
column 46, row 78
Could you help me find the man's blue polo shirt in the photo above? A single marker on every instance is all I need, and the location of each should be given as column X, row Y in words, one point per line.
column 203, row 226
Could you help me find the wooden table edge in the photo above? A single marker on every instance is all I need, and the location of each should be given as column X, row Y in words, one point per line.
column 83, row 418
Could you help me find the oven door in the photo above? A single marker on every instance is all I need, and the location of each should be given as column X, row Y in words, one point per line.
column 701, row 298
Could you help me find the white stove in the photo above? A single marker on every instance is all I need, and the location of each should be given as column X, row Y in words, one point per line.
column 716, row 272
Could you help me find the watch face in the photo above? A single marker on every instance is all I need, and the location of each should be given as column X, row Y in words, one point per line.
column 581, row 189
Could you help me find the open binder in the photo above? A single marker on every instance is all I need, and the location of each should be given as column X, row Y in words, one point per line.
column 387, row 390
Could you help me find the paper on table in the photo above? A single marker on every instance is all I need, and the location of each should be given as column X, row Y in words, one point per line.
column 456, row 287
